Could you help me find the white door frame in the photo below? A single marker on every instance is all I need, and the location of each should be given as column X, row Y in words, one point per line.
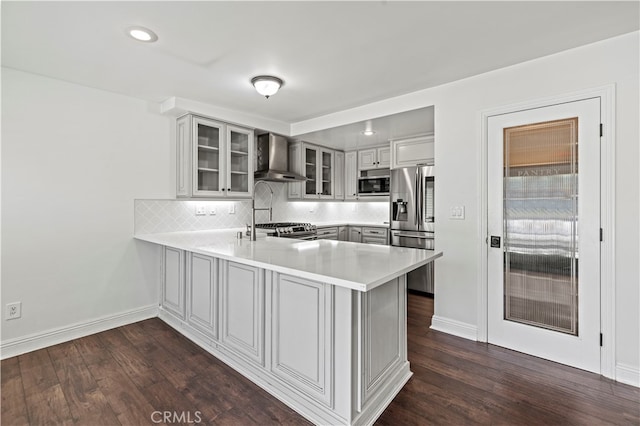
column 607, row 215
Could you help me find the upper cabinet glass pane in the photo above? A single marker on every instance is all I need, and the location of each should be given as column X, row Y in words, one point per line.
column 208, row 136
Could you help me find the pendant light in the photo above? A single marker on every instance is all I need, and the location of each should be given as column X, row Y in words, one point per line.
column 267, row 85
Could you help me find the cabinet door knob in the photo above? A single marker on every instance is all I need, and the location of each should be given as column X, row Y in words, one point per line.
column 224, row 189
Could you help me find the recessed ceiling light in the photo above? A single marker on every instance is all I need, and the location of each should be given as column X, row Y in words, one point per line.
column 368, row 130
column 142, row 34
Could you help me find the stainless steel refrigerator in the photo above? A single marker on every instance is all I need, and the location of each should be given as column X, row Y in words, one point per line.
column 411, row 199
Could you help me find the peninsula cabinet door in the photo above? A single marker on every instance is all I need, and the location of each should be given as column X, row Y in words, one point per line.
column 202, row 294
column 243, row 310
column 382, row 350
column 173, row 281
column 301, row 332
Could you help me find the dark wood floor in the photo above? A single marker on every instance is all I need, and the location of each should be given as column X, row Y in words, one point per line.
column 123, row 376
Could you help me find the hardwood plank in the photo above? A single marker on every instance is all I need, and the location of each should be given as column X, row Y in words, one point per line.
column 131, row 361
column 14, row 406
column 162, row 396
column 170, row 366
column 43, row 394
column 126, row 400
column 87, row 403
column 37, row 371
column 48, row 406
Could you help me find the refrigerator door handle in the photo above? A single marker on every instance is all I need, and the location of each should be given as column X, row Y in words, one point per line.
column 417, row 198
column 420, row 202
column 414, row 236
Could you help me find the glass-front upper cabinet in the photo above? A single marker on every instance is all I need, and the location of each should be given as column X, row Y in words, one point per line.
column 318, row 169
column 213, row 159
column 239, row 165
column 208, row 173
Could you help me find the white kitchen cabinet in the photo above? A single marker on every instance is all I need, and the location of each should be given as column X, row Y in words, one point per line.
column 351, row 175
column 327, row 233
column 318, row 169
column 294, row 189
column 355, row 234
column 339, row 175
column 202, row 293
column 375, row 235
column 214, row 159
column 242, row 325
column 173, row 281
column 383, row 343
column 317, row 164
column 343, row 233
column 412, row 151
column 374, row 158
column 302, row 335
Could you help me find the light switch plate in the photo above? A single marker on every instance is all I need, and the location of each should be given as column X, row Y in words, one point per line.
column 457, row 213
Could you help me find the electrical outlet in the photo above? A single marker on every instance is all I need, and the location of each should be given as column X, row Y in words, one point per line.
column 232, row 208
column 201, row 210
column 13, row 311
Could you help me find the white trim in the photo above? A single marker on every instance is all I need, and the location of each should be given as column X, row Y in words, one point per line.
column 607, row 214
column 21, row 345
column 628, row 374
column 457, row 328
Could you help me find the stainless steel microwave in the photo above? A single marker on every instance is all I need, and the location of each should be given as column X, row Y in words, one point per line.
column 378, row 185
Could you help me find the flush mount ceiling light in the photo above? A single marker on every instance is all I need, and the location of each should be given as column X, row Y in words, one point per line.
column 267, row 85
column 142, row 34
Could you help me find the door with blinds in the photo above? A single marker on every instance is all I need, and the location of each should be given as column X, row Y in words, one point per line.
column 544, row 232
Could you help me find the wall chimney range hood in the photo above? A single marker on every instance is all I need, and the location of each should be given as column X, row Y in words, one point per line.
column 272, row 153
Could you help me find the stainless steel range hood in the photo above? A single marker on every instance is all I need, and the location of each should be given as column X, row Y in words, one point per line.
column 272, row 153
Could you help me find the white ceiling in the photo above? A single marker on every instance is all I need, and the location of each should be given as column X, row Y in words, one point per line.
column 331, row 55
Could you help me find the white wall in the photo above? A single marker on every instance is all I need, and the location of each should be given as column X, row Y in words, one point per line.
column 73, row 160
column 458, row 108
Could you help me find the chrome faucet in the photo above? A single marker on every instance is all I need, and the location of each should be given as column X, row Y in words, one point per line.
column 254, row 209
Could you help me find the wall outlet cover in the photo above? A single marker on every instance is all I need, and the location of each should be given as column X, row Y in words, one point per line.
column 13, row 311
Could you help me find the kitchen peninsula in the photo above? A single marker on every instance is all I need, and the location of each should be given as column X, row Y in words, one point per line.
column 321, row 324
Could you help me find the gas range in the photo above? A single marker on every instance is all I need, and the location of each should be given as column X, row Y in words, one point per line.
column 303, row 231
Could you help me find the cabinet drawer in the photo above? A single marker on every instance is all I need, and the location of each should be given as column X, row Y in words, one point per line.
column 375, row 232
column 328, row 233
column 374, row 240
column 375, row 235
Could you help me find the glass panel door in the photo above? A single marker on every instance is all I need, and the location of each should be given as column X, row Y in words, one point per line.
column 239, row 157
column 543, row 223
column 311, row 171
column 327, row 175
column 540, row 225
column 207, row 156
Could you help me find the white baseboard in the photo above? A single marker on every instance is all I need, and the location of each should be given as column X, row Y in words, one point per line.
column 628, row 375
column 21, row 345
column 457, row 328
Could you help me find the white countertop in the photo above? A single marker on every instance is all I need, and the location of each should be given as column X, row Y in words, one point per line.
column 351, row 223
column 353, row 265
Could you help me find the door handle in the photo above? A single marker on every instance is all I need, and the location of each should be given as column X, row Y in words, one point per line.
column 495, row 241
column 413, row 236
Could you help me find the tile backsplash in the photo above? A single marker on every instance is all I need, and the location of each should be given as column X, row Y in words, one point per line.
column 153, row 216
